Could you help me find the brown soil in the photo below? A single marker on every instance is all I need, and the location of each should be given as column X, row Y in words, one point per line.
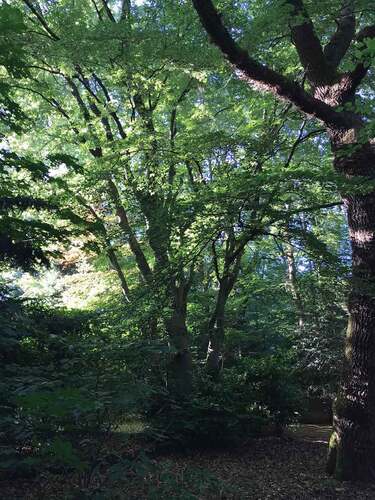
column 288, row 468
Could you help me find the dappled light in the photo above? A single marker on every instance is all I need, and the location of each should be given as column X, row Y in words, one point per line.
column 187, row 267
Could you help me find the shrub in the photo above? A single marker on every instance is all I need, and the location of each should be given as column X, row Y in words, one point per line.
column 65, row 387
column 255, row 396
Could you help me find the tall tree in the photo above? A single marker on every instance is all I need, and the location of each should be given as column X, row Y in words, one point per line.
column 331, row 99
column 166, row 159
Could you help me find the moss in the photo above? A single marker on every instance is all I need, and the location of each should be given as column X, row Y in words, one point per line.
column 332, row 454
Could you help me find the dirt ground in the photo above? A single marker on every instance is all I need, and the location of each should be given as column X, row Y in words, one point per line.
column 291, row 468
column 288, row 468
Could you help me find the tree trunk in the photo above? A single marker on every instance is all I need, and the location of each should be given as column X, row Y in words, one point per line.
column 352, row 451
column 180, row 375
column 216, row 327
column 216, row 332
column 293, row 282
column 121, row 276
column 352, row 444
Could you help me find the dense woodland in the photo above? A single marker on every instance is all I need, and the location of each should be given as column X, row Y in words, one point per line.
column 187, row 245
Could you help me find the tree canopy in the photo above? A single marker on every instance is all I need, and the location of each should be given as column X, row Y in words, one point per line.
column 186, row 225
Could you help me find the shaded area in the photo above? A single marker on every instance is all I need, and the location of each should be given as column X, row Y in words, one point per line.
column 310, row 432
column 277, row 469
column 289, row 468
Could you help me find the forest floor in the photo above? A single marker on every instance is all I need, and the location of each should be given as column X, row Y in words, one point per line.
column 288, row 468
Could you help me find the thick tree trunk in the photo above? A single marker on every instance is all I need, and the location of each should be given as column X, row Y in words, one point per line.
column 352, row 452
column 352, row 444
column 180, row 366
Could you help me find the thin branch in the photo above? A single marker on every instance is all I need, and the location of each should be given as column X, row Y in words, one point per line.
column 215, row 259
column 108, row 11
column 41, row 19
column 300, row 139
column 113, row 114
column 97, row 10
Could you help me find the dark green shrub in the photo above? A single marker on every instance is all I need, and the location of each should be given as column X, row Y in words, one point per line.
column 65, row 387
column 256, row 396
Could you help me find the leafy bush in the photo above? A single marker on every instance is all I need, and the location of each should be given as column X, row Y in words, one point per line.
column 273, row 385
column 256, row 396
column 66, row 386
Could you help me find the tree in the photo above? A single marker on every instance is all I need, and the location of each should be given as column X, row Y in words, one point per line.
column 157, row 160
column 24, row 232
column 331, row 99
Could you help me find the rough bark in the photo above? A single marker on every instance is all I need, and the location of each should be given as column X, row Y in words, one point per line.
column 308, row 44
column 180, row 375
column 340, row 42
column 352, row 447
column 260, row 75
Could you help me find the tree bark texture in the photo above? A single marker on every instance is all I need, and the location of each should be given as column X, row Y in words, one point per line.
column 352, row 447
column 352, row 444
column 180, row 374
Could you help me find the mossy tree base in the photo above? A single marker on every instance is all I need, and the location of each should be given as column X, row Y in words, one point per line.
column 351, row 453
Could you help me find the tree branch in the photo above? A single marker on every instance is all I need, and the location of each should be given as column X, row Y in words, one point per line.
column 97, row 10
column 135, row 247
column 113, row 114
column 307, row 44
column 111, row 253
column 41, row 19
column 362, row 67
column 259, row 74
column 108, row 11
column 340, row 42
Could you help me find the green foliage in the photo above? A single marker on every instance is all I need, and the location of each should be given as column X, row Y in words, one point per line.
column 64, row 389
column 133, row 160
column 256, row 396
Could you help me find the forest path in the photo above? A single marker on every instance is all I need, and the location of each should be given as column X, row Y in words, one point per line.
column 310, row 432
column 288, row 468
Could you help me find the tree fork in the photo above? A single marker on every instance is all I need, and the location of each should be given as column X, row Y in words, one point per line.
column 352, row 446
